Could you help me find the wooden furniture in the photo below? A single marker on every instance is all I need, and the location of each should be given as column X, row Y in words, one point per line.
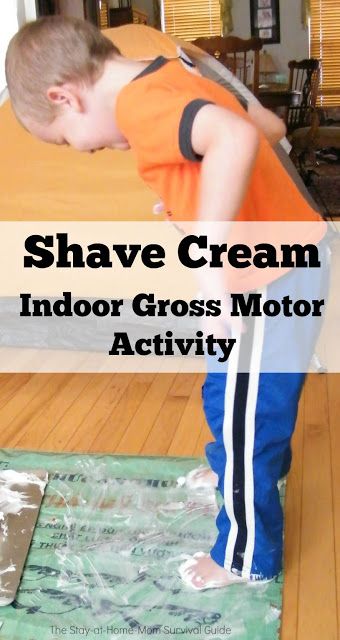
column 240, row 56
column 47, row 7
column 139, row 17
column 105, row 16
column 274, row 96
column 302, row 120
column 304, row 77
column 121, row 15
column 91, row 11
column 95, row 11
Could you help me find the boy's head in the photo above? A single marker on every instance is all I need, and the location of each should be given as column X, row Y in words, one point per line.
column 52, row 66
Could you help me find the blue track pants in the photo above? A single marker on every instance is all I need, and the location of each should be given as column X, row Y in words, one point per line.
column 252, row 417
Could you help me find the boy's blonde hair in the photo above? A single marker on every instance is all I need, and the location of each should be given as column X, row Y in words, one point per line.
column 48, row 52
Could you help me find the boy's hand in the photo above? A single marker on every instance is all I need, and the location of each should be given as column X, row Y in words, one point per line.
column 273, row 127
column 225, row 325
column 229, row 144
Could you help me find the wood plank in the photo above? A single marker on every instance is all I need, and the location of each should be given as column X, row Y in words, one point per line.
column 204, row 437
column 317, row 591
column 188, row 429
column 58, row 437
column 10, row 384
column 45, row 421
column 4, row 378
column 183, row 385
column 92, row 434
column 122, row 413
column 292, row 532
column 161, row 435
column 333, row 381
column 23, row 407
column 139, row 427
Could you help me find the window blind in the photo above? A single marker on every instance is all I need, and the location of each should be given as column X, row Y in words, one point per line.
column 103, row 15
column 191, row 19
column 325, row 46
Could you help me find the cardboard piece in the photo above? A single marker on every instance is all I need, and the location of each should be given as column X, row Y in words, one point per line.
column 21, row 495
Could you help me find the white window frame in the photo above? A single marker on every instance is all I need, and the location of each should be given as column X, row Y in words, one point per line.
column 13, row 14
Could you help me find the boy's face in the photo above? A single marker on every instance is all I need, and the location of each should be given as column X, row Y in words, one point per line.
column 83, row 121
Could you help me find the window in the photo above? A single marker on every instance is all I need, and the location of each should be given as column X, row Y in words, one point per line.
column 325, row 46
column 191, row 19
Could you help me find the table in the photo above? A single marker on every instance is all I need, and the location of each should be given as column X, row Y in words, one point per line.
column 278, row 95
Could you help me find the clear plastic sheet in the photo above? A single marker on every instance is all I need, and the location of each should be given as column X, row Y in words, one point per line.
column 104, row 559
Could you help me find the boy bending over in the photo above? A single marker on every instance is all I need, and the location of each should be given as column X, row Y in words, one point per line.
column 208, row 160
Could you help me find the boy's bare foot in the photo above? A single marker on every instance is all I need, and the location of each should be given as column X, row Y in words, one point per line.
column 202, row 572
column 202, row 477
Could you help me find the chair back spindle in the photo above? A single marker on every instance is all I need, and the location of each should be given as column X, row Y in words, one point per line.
column 237, row 55
column 304, row 77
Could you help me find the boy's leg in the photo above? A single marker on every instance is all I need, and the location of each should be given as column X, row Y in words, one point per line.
column 207, row 476
column 252, row 417
column 248, row 458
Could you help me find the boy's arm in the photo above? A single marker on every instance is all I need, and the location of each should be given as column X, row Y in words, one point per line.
column 228, row 145
column 273, row 128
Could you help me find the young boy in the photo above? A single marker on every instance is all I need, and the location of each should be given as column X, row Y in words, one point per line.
column 208, row 160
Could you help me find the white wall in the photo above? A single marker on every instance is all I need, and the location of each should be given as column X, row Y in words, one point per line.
column 294, row 39
column 8, row 27
column 26, row 9
column 73, row 8
column 30, row 10
column 13, row 14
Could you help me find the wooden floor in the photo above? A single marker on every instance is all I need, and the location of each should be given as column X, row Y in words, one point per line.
column 162, row 414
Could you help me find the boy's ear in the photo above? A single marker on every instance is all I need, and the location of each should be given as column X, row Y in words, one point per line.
column 64, row 96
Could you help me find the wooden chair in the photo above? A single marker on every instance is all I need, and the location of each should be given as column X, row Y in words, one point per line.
column 304, row 131
column 302, row 120
column 304, row 77
column 242, row 57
